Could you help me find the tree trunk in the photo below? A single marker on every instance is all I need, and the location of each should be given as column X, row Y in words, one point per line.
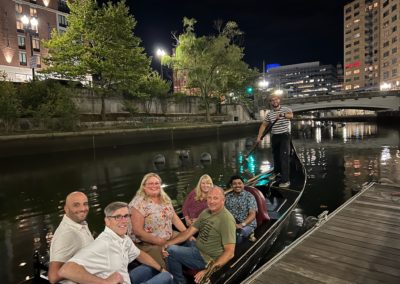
column 103, row 108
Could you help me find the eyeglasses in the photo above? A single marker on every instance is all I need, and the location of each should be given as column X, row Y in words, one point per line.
column 120, row 217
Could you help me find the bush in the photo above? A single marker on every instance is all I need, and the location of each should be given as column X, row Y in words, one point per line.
column 59, row 111
column 10, row 106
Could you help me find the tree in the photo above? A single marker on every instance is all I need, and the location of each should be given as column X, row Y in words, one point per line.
column 99, row 42
column 213, row 64
column 10, row 105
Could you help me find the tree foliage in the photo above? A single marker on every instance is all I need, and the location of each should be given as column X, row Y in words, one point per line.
column 10, row 105
column 99, row 42
column 213, row 64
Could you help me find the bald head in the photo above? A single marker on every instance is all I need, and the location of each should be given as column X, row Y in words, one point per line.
column 216, row 199
column 76, row 206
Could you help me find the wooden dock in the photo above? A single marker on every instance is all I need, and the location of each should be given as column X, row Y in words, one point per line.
column 358, row 243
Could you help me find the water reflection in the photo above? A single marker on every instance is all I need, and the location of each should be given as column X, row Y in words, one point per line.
column 339, row 158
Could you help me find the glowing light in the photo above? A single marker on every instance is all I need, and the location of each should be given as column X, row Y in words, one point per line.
column 22, row 264
column 46, row 2
column 385, row 86
column 160, row 52
column 278, row 92
column 8, row 54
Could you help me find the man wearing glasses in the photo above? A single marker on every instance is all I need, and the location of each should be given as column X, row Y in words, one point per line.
column 106, row 259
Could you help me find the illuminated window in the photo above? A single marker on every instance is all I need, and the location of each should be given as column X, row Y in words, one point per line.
column 33, row 12
column 356, row 71
column 18, row 8
column 356, row 86
column 36, row 44
column 357, row 35
column 356, row 21
column 21, row 41
column 20, row 26
column 348, row 73
column 22, row 58
column 347, row 87
column 38, row 60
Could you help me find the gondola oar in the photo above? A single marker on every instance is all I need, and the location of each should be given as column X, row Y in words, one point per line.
column 266, row 130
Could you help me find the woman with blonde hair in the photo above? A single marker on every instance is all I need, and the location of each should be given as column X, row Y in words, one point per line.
column 152, row 217
column 196, row 200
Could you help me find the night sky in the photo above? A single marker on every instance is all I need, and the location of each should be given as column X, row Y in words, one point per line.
column 283, row 31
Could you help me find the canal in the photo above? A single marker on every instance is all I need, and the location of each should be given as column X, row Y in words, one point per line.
column 339, row 158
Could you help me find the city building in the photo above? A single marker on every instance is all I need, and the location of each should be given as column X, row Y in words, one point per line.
column 23, row 25
column 304, row 79
column 371, row 44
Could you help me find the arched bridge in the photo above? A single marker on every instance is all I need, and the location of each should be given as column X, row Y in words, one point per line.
column 377, row 100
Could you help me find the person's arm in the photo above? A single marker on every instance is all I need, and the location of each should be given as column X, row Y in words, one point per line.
column 263, row 125
column 178, row 223
column 79, row 274
column 250, row 217
column 54, row 267
column 229, row 252
column 137, row 220
column 288, row 115
column 145, row 258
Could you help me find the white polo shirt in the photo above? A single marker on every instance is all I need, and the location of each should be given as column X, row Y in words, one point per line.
column 68, row 239
column 107, row 254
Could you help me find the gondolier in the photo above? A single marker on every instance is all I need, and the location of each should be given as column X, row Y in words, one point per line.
column 280, row 116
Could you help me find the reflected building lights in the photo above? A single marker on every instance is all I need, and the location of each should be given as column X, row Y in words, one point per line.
column 385, row 155
column 318, row 136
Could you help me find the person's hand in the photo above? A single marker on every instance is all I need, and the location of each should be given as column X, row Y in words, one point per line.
column 192, row 239
column 282, row 115
column 258, row 140
column 115, row 278
column 164, row 251
column 161, row 241
column 199, row 275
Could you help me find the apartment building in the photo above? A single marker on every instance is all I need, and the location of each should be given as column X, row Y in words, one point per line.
column 371, row 44
column 305, row 79
column 23, row 25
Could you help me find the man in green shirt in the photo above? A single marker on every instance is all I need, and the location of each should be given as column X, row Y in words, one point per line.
column 216, row 240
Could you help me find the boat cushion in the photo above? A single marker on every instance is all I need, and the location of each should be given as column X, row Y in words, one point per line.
column 262, row 213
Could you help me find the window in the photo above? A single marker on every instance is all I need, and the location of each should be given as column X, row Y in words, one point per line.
column 386, row 13
column 36, row 44
column 394, row 7
column 33, row 12
column 356, row 78
column 348, row 17
column 394, row 72
column 357, row 35
column 357, row 42
column 394, row 50
column 356, row 57
column 386, row 64
column 385, row 75
column 21, row 41
column 385, row 3
column 357, row 5
column 357, row 71
column 20, row 26
column 18, row 8
column 394, row 60
column 22, row 58
column 348, row 10
column 386, row 43
column 348, row 45
column 386, row 54
column 38, row 60
column 62, row 21
column 394, row 39
column 348, row 52
column 356, row 13
column 394, row 29
column 348, row 73
column 385, row 24
column 394, row 18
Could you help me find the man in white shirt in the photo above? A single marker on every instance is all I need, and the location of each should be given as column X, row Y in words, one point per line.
column 106, row 259
column 71, row 235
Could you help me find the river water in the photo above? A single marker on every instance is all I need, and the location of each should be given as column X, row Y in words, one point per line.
column 338, row 157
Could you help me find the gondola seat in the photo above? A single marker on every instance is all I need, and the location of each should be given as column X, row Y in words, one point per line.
column 262, row 213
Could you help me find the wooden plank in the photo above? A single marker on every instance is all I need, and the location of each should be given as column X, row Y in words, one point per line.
column 335, row 243
column 368, row 223
column 343, row 271
column 372, row 219
column 361, row 260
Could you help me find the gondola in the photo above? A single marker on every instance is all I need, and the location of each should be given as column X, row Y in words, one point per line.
column 274, row 207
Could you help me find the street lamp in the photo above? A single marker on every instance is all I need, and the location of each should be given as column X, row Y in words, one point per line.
column 161, row 53
column 30, row 28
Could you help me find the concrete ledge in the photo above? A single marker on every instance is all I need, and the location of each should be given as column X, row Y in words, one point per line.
column 31, row 144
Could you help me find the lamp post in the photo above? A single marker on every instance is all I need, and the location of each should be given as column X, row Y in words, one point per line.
column 161, row 53
column 30, row 28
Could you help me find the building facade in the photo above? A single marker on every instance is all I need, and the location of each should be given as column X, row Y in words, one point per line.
column 371, row 44
column 304, row 79
column 21, row 50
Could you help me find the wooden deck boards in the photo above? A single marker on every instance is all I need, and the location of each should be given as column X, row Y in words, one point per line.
column 359, row 243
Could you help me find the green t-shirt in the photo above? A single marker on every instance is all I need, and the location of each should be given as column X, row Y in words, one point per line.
column 215, row 231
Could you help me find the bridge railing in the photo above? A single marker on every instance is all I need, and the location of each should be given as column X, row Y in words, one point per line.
column 341, row 96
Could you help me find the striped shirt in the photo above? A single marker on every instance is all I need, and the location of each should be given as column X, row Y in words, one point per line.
column 283, row 124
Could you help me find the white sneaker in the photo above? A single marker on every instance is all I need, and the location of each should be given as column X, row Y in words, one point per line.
column 285, row 184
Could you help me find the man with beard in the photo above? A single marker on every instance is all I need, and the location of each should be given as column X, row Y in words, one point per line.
column 71, row 235
column 243, row 207
column 280, row 117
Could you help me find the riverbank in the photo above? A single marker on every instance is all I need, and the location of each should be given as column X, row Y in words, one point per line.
column 40, row 143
